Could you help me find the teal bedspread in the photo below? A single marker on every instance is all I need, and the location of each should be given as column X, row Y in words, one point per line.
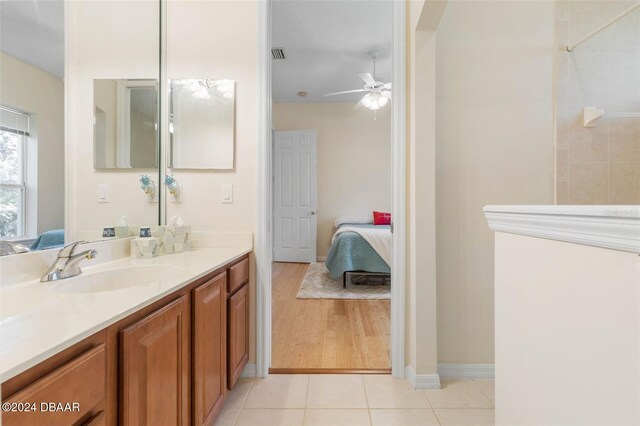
column 49, row 239
column 351, row 252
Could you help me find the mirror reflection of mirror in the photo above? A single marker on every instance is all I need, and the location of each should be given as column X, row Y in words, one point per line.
column 32, row 189
column 201, row 124
column 125, row 132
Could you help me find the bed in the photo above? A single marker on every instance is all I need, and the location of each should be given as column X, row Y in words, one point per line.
column 351, row 252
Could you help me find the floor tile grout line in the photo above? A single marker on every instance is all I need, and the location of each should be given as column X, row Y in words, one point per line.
column 306, row 400
column 247, row 395
column 433, row 410
column 366, row 398
column 484, row 394
column 436, row 415
column 427, row 398
column 244, row 400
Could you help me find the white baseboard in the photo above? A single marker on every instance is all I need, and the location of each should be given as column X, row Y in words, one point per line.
column 249, row 371
column 321, row 258
column 467, row 371
column 422, row 381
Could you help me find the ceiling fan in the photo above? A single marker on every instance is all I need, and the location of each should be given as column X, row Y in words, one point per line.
column 378, row 94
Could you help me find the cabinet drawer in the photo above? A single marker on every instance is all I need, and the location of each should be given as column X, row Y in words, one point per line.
column 80, row 383
column 238, row 275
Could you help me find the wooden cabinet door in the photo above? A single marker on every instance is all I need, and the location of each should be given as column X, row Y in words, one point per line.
column 78, row 386
column 209, row 349
column 238, row 334
column 155, row 355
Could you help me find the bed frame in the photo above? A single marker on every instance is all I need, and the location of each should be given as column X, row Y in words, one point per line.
column 366, row 276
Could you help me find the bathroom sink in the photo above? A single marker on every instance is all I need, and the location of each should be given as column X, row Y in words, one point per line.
column 116, row 279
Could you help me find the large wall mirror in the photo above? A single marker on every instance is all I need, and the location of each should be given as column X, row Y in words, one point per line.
column 117, row 45
column 32, row 190
column 125, row 124
column 201, row 123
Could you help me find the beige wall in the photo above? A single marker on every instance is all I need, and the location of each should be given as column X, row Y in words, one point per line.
column 98, row 49
column 229, row 29
column 219, row 40
column 420, row 273
column 567, row 333
column 40, row 94
column 599, row 165
column 354, row 159
column 494, row 145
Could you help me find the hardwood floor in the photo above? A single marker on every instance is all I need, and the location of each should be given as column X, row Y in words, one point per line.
column 325, row 333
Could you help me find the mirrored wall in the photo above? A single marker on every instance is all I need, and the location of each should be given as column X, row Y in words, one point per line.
column 67, row 178
column 32, row 148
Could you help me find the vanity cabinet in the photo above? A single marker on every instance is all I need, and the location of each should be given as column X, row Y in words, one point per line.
column 172, row 362
column 154, row 365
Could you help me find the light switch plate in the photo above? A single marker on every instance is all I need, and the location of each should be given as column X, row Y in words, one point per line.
column 227, row 193
column 103, row 193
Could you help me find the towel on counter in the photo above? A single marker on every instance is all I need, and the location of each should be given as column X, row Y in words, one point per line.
column 49, row 239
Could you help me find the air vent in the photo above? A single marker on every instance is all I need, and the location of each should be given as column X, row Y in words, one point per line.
column 277, row 53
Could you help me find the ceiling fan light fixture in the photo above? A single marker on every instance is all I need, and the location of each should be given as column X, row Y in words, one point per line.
column 367, row 100
column 374, row 101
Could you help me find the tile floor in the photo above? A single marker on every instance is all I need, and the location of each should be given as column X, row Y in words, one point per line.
column 354, row 400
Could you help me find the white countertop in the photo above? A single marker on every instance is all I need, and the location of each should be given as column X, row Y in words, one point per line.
column 614, row 227
column 36, row 321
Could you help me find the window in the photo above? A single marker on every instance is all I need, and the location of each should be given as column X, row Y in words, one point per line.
column 14, row 127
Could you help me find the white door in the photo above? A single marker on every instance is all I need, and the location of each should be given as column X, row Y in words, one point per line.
column 295, row 199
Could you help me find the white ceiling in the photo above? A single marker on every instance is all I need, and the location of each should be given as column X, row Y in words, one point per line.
column 326, row 44
column 33, row 31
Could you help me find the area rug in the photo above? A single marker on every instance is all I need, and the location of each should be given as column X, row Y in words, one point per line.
column 317, row 284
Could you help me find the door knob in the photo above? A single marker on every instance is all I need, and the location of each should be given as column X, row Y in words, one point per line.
column 313, row 213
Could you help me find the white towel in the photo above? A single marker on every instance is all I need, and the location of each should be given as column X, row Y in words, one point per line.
column 379, row 239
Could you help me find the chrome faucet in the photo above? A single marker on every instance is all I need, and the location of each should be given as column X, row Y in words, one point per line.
column 11, row 247
column 66, row 264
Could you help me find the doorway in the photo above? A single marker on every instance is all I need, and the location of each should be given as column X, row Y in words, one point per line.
column 264, row 235
column 332, row 196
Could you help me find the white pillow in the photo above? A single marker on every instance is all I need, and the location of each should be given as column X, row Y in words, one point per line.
column 352, row 220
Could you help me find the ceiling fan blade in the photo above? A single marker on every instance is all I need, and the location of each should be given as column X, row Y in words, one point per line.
column 367, row 78
column 345, row 91
column 387, row 86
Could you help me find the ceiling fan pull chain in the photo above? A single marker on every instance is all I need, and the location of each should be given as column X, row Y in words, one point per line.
column 374, row 67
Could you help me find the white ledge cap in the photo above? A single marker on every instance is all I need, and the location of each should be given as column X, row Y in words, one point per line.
column 611, row 226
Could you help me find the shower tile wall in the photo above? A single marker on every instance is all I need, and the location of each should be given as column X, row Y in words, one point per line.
column 599, row 165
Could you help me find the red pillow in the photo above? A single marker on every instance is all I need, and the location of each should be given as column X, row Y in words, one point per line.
column 381, row 218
